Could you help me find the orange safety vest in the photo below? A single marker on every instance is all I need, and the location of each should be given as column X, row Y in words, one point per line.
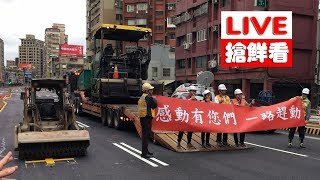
column 223, row 100
column 142, row 107
column 236, row 102
column 305, row 103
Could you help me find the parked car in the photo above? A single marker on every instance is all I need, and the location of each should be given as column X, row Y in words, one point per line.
column 183, row 90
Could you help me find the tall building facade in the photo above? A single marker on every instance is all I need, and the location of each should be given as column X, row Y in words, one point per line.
column 54, row 36
column 1, row 60
column 11, row 63
column 198, row 47
column 101, row 12
column 157, row 15
column 32, row 51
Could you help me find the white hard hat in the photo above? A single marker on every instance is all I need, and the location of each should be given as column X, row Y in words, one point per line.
column 146, row 86
column 192, row 88
column 206, row 92
column 222, row 87
column 305, row 91
column 237, row 91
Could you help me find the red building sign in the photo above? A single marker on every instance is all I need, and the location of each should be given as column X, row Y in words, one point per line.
column 71, row 50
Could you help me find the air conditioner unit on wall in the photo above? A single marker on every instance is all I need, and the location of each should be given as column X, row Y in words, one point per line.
column 212, row 63
column 186, row 45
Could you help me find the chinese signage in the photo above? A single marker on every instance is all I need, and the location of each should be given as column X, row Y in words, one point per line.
column 71, row 50
column 182, row 115
column 26, row 66
column 256, row 39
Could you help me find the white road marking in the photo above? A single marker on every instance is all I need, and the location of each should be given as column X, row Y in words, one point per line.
column 279, row 150
column 2, row 146
column 308, row 137
column 136, row 155
column 136, row 150
column 82, row 124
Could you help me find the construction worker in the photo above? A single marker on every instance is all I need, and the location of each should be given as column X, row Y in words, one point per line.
column 146, row 112
column 191, row 96
column 306, row 108
column 205, row 136
column 222, row 98
column 239, row 100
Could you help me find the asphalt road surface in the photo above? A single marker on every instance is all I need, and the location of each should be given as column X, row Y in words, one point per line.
column 114, row 154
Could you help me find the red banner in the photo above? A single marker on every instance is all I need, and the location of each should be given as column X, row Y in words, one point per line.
column 183, row 115
column 27, row 66
column 71, row 50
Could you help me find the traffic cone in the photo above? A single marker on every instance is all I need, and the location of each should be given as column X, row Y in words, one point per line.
column 115, row 72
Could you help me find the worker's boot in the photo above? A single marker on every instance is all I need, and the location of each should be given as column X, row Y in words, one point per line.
column 219, row 143
column 301, row 144
column 290, row 143
column 179, row 144
column 189, row 145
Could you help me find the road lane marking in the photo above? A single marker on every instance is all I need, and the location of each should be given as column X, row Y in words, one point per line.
column 309, row 137
column 82, row 124
column 136, row 155
column 136, row 150
column 279, row 150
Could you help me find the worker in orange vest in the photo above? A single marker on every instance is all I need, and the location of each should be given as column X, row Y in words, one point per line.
column 146, row 112
column 222, row 98
column 306, row 104
column 240, row 101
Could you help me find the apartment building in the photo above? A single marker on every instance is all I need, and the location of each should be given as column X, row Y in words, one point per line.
column 198, row 46
column 32, row 51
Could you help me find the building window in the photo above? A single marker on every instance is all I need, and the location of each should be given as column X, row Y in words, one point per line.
column 201, row 61
column 159, row 13
column 170, row 23
column 154, row 72
column 141, row 22
column 131, row 22
column 225, row 2
column 202, row 35
column 189, row 63
column 159, row 28
column 130, row 8
column 166, row 72
column 171, row 6
column 142, row 6
column 157, row 41
column 181, row 64
column 189, row 38
column 172, row 35
column 119, row 17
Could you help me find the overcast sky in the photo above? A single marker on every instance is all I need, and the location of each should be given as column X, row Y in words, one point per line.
column 21, row 17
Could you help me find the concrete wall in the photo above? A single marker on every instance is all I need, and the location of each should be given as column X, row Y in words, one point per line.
column 161, row 58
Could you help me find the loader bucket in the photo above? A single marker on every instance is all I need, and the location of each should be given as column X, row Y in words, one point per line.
column 53, row 144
